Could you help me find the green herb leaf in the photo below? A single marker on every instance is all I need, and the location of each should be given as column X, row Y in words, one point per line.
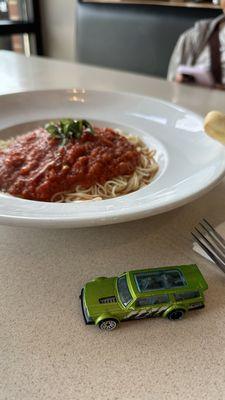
column 89, row 127
column 52, row 128
column 68, row 128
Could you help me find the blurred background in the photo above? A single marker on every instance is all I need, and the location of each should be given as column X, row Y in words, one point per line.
column 131, row 35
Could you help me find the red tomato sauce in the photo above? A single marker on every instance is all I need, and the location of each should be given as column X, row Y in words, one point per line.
column 35, row 166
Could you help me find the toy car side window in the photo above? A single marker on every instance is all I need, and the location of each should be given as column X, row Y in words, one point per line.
column 152, row 300
column 186, row 295
column 156, row 280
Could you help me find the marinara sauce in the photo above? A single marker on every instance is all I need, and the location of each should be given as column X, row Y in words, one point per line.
column 36, row 166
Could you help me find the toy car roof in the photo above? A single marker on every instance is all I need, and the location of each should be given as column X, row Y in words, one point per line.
column 172, row 278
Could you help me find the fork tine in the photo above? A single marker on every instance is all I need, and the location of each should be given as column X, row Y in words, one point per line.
column 213, row 239
column 214, row 232
column 212, row 247
column 217, row 261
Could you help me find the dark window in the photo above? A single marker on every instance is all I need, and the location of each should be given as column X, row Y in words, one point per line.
column 159, row 280
column 20, row 26
column 123, row 290
column 151, row 301
column 186, row 295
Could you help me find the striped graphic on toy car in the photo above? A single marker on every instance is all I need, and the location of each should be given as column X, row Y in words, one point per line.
column 152, row 312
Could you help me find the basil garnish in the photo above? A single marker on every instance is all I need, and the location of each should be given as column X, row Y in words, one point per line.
column 68, row 128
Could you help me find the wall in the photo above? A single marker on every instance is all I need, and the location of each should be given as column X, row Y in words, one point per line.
column 58, row 25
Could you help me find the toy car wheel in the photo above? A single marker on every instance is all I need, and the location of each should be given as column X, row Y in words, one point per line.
column 176, row 314
column 108, row 324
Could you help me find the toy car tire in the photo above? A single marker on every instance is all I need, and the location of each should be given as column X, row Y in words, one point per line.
column 176, row 315
column 108, row 324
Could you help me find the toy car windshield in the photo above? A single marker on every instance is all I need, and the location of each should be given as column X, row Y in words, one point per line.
column 123, row 290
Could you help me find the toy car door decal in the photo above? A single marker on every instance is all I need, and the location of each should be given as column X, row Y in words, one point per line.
column 131, row 315
column 149, row 307
column 146, row 313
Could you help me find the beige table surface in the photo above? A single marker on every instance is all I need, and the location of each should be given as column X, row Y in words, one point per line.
column 46, row 351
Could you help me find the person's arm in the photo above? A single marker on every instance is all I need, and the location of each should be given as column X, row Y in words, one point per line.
column 182, row 55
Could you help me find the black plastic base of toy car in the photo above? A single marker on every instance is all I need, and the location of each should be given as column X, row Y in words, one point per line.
column 197, row 307
column 86, row 320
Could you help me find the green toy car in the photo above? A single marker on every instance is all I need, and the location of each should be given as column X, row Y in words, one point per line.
column 167, row 292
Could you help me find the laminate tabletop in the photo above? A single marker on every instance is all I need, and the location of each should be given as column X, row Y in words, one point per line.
column 46, row 350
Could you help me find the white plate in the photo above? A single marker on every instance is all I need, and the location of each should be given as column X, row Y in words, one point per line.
column 190, row 162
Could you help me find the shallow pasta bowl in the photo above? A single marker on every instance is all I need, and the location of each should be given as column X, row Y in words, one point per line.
column 190, row 163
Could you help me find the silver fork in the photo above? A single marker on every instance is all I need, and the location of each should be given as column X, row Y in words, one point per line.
column 211, row 242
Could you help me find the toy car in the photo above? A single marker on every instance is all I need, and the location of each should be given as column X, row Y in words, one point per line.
column 166, row 291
